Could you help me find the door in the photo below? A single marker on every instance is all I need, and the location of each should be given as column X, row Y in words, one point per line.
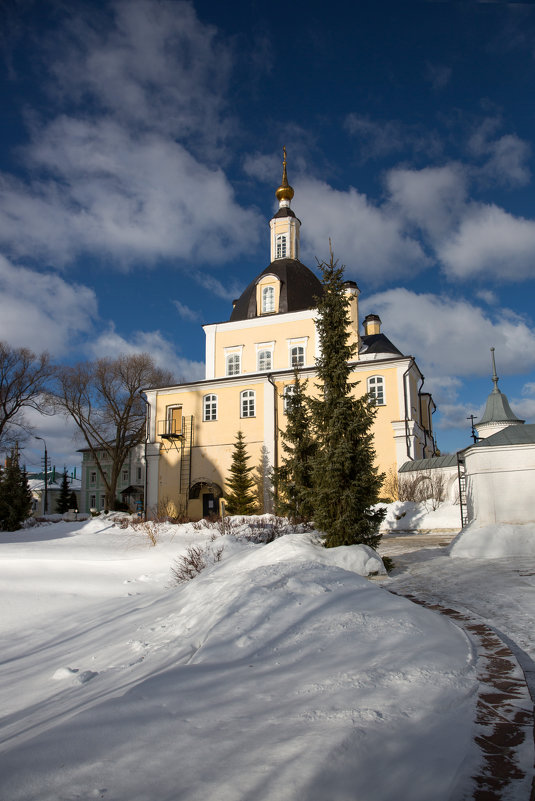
column 174, row 419
column 208, row 504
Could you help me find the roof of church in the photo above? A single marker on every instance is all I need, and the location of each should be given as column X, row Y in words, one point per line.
column 498, row 410
column 512, row 435
column 299, row 289
column 285, row 211
column 434, row 462
column 378, row 343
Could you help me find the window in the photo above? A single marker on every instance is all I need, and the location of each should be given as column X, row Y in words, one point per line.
column 376, row 389
column 138, row 473
column 233, row 364
column 102, row 501
column 93, row 477
column 287, row 394
column 125, row 475
column 268, row 299
column 297, row 356
column 281, row 246
column 247, row 403
column 264, row 360
column 210, row 407
column 174, row 420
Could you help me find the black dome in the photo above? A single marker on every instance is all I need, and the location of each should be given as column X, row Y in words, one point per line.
column 299, row 289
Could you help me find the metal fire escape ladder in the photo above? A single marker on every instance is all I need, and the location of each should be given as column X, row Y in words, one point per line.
column 461, row 471
column 185, row 457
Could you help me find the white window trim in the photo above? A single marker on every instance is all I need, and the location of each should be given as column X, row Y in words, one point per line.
column 266, row 290
column 248, row 399
column 235, row 350
column 288, row 390
column 300, row 342
column 260, row 346
column 281, row 238
column 383, row 402
column 204, row 417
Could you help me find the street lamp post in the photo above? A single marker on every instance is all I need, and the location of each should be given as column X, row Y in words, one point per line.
column 46, row 475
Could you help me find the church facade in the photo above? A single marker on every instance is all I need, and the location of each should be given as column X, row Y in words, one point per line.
column 250, row 364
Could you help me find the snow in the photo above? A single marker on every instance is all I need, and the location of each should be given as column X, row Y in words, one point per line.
column 409, row 516
column 278, row 672
column 501, row 541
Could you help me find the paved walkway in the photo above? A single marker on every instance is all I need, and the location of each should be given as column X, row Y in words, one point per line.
column 504, row 723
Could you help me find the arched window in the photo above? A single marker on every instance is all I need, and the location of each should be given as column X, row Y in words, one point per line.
column 281, row 246
column 268, row 300
column 233, row 364
column 289, row 390
column 210, row 407
column 264, row 360
column 297, row 356
column 247, row 403
column 376, row 389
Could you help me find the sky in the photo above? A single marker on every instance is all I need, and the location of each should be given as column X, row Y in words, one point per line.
column 141, row 146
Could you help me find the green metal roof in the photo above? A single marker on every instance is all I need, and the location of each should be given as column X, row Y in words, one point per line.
column 434, row 462
column 512, row 435
column 498, row 410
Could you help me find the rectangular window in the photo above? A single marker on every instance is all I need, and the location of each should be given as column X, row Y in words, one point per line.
column 264, row 360
column 93, row 477
column 376, row 390
column 297, row 356
column 92, row 501
column 233, row 364
column 248, row 403
column 174, row 420
column 125, row 475
column 102, row 501
column 138, row 473
column 268, row 300
column 210, row 407
column 287, row 395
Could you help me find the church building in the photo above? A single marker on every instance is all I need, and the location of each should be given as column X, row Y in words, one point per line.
column 250, row 363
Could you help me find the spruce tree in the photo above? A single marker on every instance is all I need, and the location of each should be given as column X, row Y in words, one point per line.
column 240, row 497
column 73, row 502
column 346, row 482
column 294, row 476
column 15, row 495
column 63, row 501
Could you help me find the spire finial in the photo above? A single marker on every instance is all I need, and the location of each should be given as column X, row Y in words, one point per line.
column 285, row 192
column 494, row 375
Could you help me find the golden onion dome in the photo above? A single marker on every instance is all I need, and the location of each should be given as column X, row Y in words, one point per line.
column 285, row 191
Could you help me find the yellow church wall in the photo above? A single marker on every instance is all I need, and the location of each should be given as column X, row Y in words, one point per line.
column 245, row 341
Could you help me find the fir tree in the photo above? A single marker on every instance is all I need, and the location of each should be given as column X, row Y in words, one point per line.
column 15, row 495
column 263, row 477
column 240, row 498
column 73, row 502
column 346, row 482
column 294, row 476
column 63, row 501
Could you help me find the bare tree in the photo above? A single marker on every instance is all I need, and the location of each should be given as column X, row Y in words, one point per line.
column 23, row 381
column 103, row 399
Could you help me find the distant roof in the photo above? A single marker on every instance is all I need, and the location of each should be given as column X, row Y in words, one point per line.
column 512, row 435
column 498, row 410
column 447, row 460
column 299, row 289
column 378, row 343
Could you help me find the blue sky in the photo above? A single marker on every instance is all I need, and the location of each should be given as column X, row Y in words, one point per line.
column 141, row 146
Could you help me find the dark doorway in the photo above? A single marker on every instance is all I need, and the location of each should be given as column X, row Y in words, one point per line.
column 208, row 505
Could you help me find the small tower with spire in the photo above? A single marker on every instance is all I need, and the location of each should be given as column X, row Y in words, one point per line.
column 498, row 414
column 284, row 224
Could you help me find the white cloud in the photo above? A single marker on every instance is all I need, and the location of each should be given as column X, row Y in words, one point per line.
column 370, row 241
column 506, row 156
column 149, row 64
column 490, row 242
column 42, row 311
column 62, row 438
column 131, row 198
column 451, row 337
column 185, row 312
column 111, row 344
column 380, row 138
column 432, row 199
column 229, row 291
column 487, row 296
